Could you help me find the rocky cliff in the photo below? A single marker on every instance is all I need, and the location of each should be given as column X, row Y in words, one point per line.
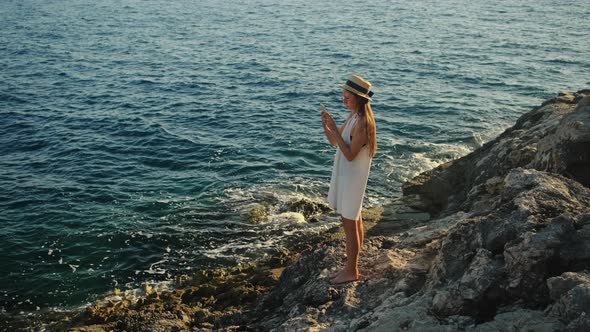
column 507, row 249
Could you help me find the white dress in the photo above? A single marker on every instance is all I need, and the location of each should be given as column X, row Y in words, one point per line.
column 349, row 178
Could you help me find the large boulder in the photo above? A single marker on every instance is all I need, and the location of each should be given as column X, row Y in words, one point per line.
column 567, row 150
column 553, row 137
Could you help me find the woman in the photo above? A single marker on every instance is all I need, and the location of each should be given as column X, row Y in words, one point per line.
column 357, row 144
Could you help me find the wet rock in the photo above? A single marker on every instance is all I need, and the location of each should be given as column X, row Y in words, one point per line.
column 258, row 214
column 313, row 220
column 306, row 207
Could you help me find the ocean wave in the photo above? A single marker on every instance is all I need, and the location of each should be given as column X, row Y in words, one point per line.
column 413, row 158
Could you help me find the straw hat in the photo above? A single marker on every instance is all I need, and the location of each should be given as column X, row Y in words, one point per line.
column 359, row 86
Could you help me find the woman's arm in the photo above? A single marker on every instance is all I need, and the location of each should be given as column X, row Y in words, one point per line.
column 359, row 138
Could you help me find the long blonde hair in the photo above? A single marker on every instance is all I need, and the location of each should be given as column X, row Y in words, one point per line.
column 364, row 109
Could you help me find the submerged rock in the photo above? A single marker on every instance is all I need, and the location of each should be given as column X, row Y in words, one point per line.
column 295, row 211
column 258, row 214
column 306, row 207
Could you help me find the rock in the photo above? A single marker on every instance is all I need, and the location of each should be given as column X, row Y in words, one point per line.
column 393, row 263
column 580, row 324
column 558, row 286
column 446, row 303
column 300, row 282
column 576, row 251
column 300, row 324
column 520, row 320
column 483, row 272
column 574, row 304
column 306, row 207
column 553, row 137
column 533, row 259
column 92, row 328
column 567, row 151
column 411, row 317
column 258, row 214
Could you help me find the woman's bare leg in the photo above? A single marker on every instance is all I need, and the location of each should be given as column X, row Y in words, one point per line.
column 360, row 230
column 361, row 235
column 350, row 272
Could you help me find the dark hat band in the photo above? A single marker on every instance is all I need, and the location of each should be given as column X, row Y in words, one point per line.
column 359, row 88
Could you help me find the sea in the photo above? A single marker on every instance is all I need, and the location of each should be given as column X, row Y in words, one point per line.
column 137, row 135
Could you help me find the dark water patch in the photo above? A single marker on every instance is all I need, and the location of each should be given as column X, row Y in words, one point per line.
column 564, row 62
column 173, row 165
column 5, row 97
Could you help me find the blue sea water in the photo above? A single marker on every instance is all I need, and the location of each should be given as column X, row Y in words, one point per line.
column 136, row 135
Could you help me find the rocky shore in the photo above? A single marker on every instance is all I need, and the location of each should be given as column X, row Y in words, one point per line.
column 507, row 249
column 504, row 246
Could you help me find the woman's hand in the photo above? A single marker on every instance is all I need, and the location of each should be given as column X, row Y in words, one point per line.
column 329, row 124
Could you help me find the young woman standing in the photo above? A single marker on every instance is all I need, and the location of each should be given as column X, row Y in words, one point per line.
column 356, row 140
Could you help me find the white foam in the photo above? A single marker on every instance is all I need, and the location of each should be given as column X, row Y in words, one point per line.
column 263, row 238
column 406, row 166
column 151, row 270
column 238, row 195
column 133, row 294
column 290, row 218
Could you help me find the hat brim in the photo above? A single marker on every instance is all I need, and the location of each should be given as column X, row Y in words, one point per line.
column 356, row 92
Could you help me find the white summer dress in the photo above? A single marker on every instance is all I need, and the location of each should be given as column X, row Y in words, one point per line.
column 349, row 178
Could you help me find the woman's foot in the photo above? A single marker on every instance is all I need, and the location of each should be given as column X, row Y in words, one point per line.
column 345, row 276
column 333, row 275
